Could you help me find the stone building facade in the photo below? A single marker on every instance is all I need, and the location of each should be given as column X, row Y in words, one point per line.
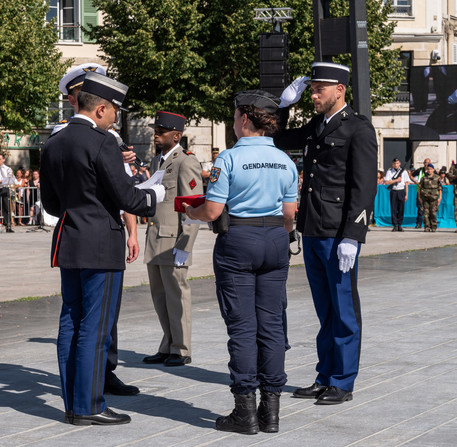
column 426, row 34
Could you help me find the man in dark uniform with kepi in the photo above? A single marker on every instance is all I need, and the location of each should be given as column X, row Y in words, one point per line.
column 86, row 186
column 70, row 85
column 339, row 187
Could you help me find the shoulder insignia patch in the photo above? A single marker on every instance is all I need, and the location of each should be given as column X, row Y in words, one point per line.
column 188, row 152
column 63, row 122
column 192, row 184
column 214, row 175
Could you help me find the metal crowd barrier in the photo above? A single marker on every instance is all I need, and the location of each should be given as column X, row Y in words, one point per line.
column 24, row 204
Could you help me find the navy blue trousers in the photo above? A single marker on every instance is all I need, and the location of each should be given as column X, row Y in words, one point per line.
column 337, row 305
column 397, row 206
column 88, row 311
column 251, row 266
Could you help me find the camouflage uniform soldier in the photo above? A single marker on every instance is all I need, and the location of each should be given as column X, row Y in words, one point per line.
column 430, row 191
column 452, row 176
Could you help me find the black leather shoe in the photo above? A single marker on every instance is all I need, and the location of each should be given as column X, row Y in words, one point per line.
column 69, row 417
column 114, row 385
column 310, row 392
column 156, row 358
column 334, row 395
column 418, row 226
column 177, row 360
column 400, row 228
column 9, row 230
column 108, row 417
column 394, row 228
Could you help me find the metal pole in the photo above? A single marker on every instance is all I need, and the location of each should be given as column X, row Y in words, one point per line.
column 359, row 57
column 321, row 11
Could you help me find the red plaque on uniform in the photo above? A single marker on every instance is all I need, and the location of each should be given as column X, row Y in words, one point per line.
column 191, row 200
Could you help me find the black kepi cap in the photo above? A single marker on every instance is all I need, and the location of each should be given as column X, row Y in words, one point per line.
column 105, row 88
column 257, row 98
column 329, row 72
column 170, row 121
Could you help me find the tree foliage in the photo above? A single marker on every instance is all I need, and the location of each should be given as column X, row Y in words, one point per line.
column 30, row 66
column 154, row 47
column 191, row 56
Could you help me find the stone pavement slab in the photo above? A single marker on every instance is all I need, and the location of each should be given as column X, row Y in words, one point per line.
column 405, row 394
column 25, row 270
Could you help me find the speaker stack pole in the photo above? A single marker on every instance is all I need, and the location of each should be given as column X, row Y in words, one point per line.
column 274, row 51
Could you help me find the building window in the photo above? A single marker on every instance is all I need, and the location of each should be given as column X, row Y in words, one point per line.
column 60, row 110
column 66, row 16
column 402, row 7
column 69, row 15
column 403, row 88
column 405, row 57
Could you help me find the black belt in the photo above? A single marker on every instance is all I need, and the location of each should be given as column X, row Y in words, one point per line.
column 265, row 221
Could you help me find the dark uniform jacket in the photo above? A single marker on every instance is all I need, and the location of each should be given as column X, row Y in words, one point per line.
column 83, row 182
column 166, row 229
column 339, row 174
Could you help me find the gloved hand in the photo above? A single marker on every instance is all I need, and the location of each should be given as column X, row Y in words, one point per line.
column 347, row 251
column 160, row 192
column 180, row 256
column 293, row 92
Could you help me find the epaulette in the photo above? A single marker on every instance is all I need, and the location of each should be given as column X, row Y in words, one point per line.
column 361, row 117
column 188, row 152
column 63, row 122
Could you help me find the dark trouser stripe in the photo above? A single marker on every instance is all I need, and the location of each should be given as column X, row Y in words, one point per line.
column 98, row 374
column 356, row 305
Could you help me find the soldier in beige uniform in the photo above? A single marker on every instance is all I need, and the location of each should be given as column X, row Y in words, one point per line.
column 169, row 241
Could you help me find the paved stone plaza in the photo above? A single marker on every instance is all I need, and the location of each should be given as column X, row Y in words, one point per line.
column 406, row 392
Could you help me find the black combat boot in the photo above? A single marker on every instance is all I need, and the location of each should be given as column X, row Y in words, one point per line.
column 243, row 419
column 268, row 412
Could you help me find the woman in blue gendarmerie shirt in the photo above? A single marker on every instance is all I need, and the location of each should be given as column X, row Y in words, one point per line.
column 257, row 182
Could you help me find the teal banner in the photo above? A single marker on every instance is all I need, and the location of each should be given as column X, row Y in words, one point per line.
column 382, row 208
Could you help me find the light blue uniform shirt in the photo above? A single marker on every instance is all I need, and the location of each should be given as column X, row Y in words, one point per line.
column 253, row 178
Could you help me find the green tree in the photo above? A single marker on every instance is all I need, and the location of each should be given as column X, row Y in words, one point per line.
column 154, row 47
column 193, row 55
column 30, row 66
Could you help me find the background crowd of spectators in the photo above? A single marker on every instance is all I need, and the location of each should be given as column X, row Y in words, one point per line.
column 24, row 197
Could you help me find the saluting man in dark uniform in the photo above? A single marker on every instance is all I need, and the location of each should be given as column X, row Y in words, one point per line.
column 339, row 187
column 83, row 182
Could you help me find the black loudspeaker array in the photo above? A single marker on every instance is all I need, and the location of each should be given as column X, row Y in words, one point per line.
column 274, row 66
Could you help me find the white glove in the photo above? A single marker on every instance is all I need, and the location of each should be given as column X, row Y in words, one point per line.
column 160, row 192
column 347, row 251
column 180, row 256
column 293, row 92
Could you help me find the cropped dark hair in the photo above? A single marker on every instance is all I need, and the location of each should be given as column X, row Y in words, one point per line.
column 261, row 119
column 88, row 101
